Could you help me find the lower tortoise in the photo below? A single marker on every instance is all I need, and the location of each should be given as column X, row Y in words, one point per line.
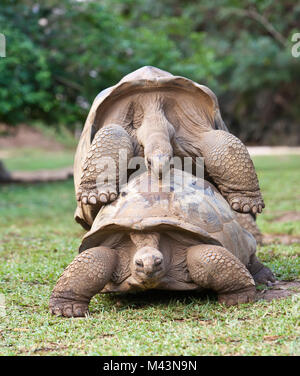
column 181, row 235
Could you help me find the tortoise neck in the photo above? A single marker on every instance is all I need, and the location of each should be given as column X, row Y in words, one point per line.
column 141, row 240
column 155, row 129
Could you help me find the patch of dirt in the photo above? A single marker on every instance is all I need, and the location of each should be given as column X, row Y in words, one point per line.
column 49, row 347
column 273, row 150
column 288, row 217
column 25, row 137
column 281, row 289
column 280, row 239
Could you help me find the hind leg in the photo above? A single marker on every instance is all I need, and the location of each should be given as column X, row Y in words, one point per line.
column 101, row 175
column 213, row 267
column 260, row 273
column 87, row 274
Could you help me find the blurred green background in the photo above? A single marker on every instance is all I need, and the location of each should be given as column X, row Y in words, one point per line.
column 61, row 53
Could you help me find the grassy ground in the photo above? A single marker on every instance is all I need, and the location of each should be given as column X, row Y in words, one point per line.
column 38, row 238
column 35, row 159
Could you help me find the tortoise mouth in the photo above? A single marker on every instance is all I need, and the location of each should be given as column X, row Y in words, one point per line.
column 148, row 280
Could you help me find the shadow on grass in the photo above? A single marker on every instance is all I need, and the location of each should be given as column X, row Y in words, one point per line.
column 164, row 299
column 155, row 298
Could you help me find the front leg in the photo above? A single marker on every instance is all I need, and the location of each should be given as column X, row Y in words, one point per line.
column 214, row 267
column 101, row 174
column 229, row 164
column 87, row 274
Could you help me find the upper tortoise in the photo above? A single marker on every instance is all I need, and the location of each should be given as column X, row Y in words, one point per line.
column 156, row 115
column 181, row 236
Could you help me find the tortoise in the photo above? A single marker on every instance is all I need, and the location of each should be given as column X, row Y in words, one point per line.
column 176, row 237
column 156, row 115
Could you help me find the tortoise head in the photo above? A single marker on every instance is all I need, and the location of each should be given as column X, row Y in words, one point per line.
column 148, row 266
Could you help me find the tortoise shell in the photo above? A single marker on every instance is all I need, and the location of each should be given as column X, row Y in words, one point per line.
column 182, row 204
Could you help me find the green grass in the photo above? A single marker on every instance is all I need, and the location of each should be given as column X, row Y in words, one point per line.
column 279, row 179
column 38, row 239
column 34, row 159
column 60, row 133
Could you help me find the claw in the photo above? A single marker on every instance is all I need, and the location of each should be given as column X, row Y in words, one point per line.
column 56, row 311
column 235, row 206
column 103, row 198
column 246, row 208
column 78, row 312
column 92, row 199
column 94, row 195
column 68, row 309
column 112, row 196
column 238, row 297
column 244, row 203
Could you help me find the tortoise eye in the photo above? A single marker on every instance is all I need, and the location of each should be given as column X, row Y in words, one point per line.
column 139, row 262
column 158, row 261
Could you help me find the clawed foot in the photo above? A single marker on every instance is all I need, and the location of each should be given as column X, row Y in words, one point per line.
column 264, row 277
column 93, row 195
column 68, row 308
column 246, row 204
column 238, row 297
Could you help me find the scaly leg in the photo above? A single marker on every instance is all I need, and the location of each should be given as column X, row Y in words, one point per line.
column 213, row 267
column 228, row 163
column 101, row 175
column 87, row 274
column 260, row 273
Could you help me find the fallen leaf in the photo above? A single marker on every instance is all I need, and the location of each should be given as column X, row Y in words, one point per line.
column 271, row 338
column 205, row 322
column 21, row 330
column 232, row 340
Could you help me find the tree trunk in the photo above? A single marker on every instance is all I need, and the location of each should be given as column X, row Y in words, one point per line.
column 34, row 176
